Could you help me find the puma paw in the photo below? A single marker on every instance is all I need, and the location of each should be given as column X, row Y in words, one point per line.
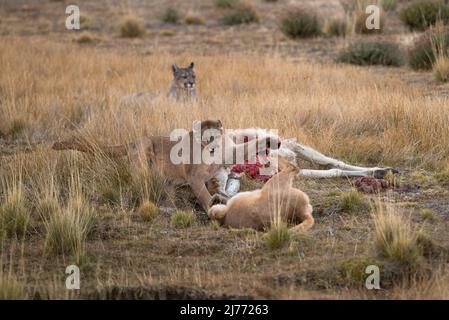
column 218, row 199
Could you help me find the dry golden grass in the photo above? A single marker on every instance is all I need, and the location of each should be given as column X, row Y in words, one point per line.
column 370, row 121
column 52, row 91
column 441, row 69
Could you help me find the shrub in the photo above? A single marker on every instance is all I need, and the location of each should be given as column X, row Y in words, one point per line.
column 14, row 215
column 421, row 14
column 226, row 3
column 426, row 48
column 354, row 202
column 300, row 24
column 277, row 236
column 131, row 27
column 242, row 13
column 372, row 53
column 335, row 27
column 182, row 219
column 193, row 18
column 148, row 211
column 389, row 5
column 441, row 69
column 171, row 15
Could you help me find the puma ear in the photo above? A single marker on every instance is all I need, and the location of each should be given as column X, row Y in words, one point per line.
column 174, row 68
column 191, row 65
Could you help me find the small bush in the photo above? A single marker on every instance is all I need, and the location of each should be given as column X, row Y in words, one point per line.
column 421, row 14
column 427, row 47
column 242, row 13
column 389, row 5
column 441, row 69
column 194, row 18
column 300, row 24
column 171, row 15
column 148, row 211
column 354, row 202
column 182, row 219
column 372, row 53
column 277, row 236
column 131, row 27
column 226, row 3
column 14, row 215
column 335, row 28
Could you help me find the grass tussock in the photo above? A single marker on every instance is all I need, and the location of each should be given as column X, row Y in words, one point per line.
column 18, row 128
column 226, row 4
column 441, row 69
column 242, row 13
column 86, row 37
column 352, row 271
column 182, row 219
column 428, row 47
column 85, row 22
column 194, row 18
column 300, row 23
column 442, row 176
column 171, row 15
column 358, row 18
column 427, row 214
column 354, row 202
column 14, row 213
column 421, row 14
column 66, row 229
column 47, row 207
column 277, row 236
column 131, row 27
column 372, row 53
column 148, row 211
column 389, row 5
column 395, row 238
column 335, row 28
